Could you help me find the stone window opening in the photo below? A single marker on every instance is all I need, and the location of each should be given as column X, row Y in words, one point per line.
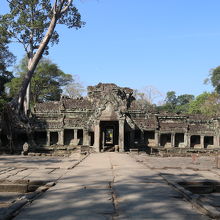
column 165, row 140
column 80, row 136
column 53, row 138
column 68, row 136
column 149, row 138
column 91, row 135
column 194, row 141
column 208, row 140
column 179, row 139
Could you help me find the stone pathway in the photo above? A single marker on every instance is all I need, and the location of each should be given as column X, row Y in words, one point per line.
column 110, row 186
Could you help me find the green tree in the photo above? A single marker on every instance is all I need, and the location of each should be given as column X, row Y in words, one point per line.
column 206, row 103
column 214, row 78
column 32, row 23
column 176, row 104
column 170, row 102
column 6, row 60
column 197, row 105
column 47, row 83
column 183, row 102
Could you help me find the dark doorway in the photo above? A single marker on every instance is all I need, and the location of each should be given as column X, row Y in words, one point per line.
column 179, row 139
column 194, row 140
column 80, row 136
column 208, row 140
column 149, row 138
column 109, row 134
column 91, row 135
column 40, row 137
column 165, row 140
column 68, row 136
column 53, row 138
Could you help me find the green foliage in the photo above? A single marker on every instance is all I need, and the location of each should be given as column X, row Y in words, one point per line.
column 46, row 84
column 215, row 78
column 195, row 107
column 176, row 104
column 6, row 60
column 28, row 21
column 206, row 103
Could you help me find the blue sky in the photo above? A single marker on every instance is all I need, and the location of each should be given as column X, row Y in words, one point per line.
column 170, row 44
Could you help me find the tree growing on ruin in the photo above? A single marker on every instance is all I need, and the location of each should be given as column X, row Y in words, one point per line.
column 32, row 24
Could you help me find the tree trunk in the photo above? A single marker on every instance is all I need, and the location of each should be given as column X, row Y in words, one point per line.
column 33, row 64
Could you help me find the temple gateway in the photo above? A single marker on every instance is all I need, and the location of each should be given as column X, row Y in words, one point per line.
column 109, row 118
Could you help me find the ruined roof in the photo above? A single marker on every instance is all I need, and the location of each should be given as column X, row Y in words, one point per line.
column 63, row 104
column 47, row 107
column 79, row 103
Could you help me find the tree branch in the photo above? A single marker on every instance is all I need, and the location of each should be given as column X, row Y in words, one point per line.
column 66, row 7
column 54, row 7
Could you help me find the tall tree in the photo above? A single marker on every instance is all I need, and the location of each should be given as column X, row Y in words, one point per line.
column 197, row 105
column 32, row 23
column 206, row 103
column 214, row 78
column 6, row 59
column 176, row 104
column 47, row 82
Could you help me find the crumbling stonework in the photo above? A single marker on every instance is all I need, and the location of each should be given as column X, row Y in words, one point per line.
column 109, row 117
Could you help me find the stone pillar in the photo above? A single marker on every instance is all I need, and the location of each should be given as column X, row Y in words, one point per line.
column 202, row 141
column 48, row 139
column 121, row 137
column 61, row 137
column 97, row 138
column 189, row 140
column 85, row 137
column 186, row 140
column 157, row 139
column 172, row 140
column 75, row 134
column 216, row 141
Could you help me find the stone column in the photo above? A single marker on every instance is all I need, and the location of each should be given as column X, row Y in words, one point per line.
column 85, row 137
column 121, row 137
column 216, row 141
column 61, row 137
column 157, row 139
column 173, row 140
column 75, row 134
column 97, row 138
column 186, row 140
column 189, row 140
column 48, row 138
column 202, row 141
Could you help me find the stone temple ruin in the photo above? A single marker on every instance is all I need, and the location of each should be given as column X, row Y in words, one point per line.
column 109, row 118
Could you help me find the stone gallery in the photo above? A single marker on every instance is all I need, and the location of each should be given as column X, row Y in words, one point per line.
column 109, row 118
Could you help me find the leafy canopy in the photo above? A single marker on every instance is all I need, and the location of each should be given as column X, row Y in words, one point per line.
column 47, row 83
column 215, row 78
column 28, row 21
